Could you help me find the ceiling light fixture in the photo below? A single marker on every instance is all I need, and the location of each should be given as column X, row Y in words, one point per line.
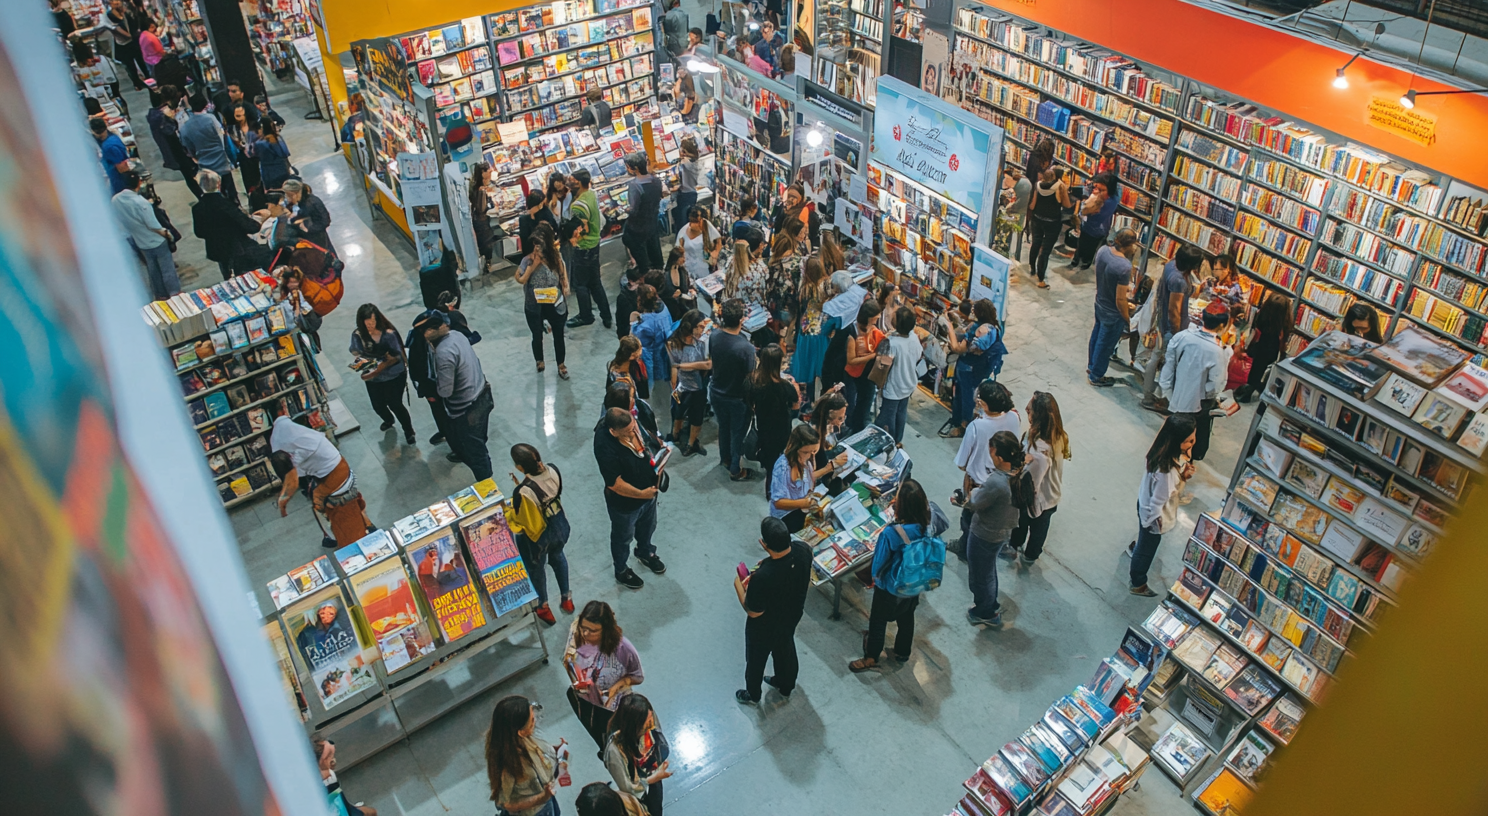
column 1408, row 99
column 814, row 137
column 697, row 66
column 1340, row 79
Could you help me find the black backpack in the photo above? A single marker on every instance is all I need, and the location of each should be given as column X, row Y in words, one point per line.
column 1023, row 490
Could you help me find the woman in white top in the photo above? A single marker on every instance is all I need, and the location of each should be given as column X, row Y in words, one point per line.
column 904, row 346
column 700, row 243
column 1168, row 467
column 1047, row 446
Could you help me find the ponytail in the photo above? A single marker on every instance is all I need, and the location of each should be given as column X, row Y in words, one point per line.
column 1005, row 446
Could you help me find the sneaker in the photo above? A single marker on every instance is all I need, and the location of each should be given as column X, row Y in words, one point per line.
column 577, row 322
column 1103, row 382
column 436, row 439
column 452, row 456
column 628, row 578
column 1007, row 553
column 410, row 438
column 652, row 563
column 1027, row 562
column 977, row 620
column 770, row 681
column 1131, row 549
column 1144, row 590
column 567, row 605
column 386, row 426
column 695, row 450
column 742, row 697
column 545, row 614
column 608, row 323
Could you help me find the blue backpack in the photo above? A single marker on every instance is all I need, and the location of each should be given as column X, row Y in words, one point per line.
column 918, row 568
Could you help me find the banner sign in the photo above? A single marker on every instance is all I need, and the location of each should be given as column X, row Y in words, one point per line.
column 1407, row 123
column 828, row 101
column 936, row 144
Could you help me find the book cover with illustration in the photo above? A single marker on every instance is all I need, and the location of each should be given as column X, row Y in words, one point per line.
column 445, row 582
column 392, row 613
column 503, row 574
column 327, row 642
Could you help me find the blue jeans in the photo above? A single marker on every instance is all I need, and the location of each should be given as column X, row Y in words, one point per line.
column 1143, row 556
column 981, row 573
column 161, row 269
column 680, row 205
column 892, row 415
column 963, row 396
column 862, row 403
column 733, row 423
column 534, row 558
column 636, row 525
column 1103, row 339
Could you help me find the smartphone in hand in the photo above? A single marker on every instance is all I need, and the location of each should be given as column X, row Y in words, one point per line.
column 743, row 571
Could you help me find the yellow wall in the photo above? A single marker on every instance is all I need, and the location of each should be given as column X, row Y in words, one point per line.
column 350, row 20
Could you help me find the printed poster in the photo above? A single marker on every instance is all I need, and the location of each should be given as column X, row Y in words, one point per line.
column 392, row 613
column 445, row 582
column 502, row 571
column 327, row 642
column 989, row 278
column 931, row 142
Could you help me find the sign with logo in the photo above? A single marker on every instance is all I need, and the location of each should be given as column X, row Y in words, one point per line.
column 1408, row 123
column 931, row 142
column 832, row 103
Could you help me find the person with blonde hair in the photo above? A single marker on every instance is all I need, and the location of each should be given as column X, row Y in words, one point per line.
column 814, row 328
column 747, row 276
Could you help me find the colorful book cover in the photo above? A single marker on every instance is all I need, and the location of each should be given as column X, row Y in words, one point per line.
column 1250, row 755
column 445, row 581
column 392, row 613
column 502, row 571
column 289, row 678
column 1252, row 689
column 359, row 554
column 1226, row 793
column 322, row 631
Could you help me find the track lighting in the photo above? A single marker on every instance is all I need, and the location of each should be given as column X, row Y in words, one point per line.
column 1340, row 78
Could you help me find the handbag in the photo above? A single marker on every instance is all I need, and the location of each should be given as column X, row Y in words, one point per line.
column 660, row 752
column 1239, row 372
column 882, row 363
column 751, row 441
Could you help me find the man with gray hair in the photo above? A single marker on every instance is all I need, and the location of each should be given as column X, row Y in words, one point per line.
column 644, row 195
column 1113, row 310
column 226, row 230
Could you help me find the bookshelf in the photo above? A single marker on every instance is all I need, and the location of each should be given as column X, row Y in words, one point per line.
column 850, row 48
column 744, row 168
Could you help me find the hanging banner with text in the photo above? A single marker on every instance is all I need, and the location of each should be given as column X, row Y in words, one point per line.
column 937, row 144
column 1407, row 123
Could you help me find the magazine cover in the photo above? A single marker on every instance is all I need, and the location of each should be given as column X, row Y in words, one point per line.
column 445, row 582
column 328, row 644
column 503, row 574
column 392, row 613
column 1419, row 356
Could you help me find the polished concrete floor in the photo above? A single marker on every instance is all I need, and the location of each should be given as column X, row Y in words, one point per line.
column 896, row 741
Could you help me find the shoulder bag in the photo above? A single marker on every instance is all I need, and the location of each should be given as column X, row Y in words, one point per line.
column 882, row 363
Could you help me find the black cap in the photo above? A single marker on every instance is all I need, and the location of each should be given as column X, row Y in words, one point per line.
column 430, row 318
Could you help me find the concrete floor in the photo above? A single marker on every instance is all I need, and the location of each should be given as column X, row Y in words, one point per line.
column 899, row 741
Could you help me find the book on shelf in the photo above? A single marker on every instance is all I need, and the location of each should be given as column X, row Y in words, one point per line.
column 1180, row 750
column 1225, row 794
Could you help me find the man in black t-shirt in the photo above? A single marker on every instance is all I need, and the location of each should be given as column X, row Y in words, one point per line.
column 773, row 596
column 631, row 486
column 644, row 195
column 732, row 356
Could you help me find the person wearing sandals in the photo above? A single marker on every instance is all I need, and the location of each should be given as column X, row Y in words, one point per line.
column 979, row 353
column 1168, row 468
column 545, row 293
column 603, row 666
column 913, row 520
column 541, row 525
column 635, row 752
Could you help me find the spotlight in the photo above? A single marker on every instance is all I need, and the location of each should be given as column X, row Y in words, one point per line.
column 1341, row 81
column 753, row 26
column 697, row 66
column 814, row 137
column 1408, row 100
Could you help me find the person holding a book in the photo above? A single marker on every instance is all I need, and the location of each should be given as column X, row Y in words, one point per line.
column 602, row 666
column 635, row 752
column 298, row 451
column 377, row 352
column 913, row 520
column 522, row 770
column 773, row 597
column 632, row 482
column 1168, row 468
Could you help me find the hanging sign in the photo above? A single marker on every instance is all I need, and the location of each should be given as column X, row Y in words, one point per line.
column 1408, row 123
column 936, row 144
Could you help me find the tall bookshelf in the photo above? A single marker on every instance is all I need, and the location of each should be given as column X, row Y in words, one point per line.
column 851, row 37
column 744, row 168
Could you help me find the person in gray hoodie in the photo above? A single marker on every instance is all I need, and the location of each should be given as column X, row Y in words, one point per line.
column 993, row 518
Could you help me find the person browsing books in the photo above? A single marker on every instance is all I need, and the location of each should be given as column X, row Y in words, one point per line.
column 1168, row 467
column 773, row 597
column 540, row 525
column 603, row 667
column 297, row 451
column 795, row 475
column 635, row 752
column 913, row 520
column 1195, row 373
column 522, row 769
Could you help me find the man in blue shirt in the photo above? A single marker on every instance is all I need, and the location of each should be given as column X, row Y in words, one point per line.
column 144, row 233
column 767, row 47
column 203, row 139
column 1170, row 315
column 1098, row 208
column 1113, row 280
column 112, row 153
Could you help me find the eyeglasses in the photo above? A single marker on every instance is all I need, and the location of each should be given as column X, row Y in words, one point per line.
column 537, row 711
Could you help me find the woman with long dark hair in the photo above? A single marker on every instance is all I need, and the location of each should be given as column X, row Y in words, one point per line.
column 386, row 370
column 784, row 268
column 829, row 418
column 772, row 399
column 1169, row 466
column 628, row 365
column 1047, row 447
column 272, row 153
column 1268, row 333
column 545, row 293
column 603, row 666
column 980, row 352
column 635, row 752
column 689, row 359
column 676, row 289
column 244, row 138
column 652, row 325
column 1362, row 320
column 912, row 520
column 793, row 477
column 1046, row 220
column 521, row 770
column 992, row 521
column 479, row 194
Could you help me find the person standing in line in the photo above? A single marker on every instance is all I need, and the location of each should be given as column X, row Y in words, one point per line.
column 773, row 400
column 628, row 365
column 202, row 136
column 1269, row 330
column 993, row 518
column 632, row 750
column 150, row 240
column 1170, row 316
column 521, row 769
column 994, row 405
column 244, row 137
column 1022, row 194
column 603, row 665
column 814, row 329
column 774, row 598
column 231, row 95
column 1046, row 220
column 310, row 215
column 1168, row 468
column 912, row 521
column 685, row 199
column 979, row 352
column 699, row 242
column 112, row 154
column 1196, row 371
column 842, row 309
column 462, row 385
column 1362, row 320
column 732, row 358
column 1047, row 447
column 631, row 487
column 167, row 133
column 860, row 354
column 545, row 291
column 674, row 25
column 904, row 346
column 541, row 526
column 644, row 195
column 623, row 395
column 375, row 340
column 123, row 24
column 1113, row 274
column 272, row 153
column 1096, row 212
column 261, row 104
column 586, row 276
column 226, row 231
column 299, row 451
column 537, row 212
column 651, row 324
column 689, row 359
column 748, row 227
column 747, row 277
column 597, row 114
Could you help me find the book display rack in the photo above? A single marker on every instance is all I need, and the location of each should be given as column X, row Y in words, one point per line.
column 850, row 48
column 396, row 629
column 1322, row 220
column 746, row 169
column 273, row 27
column 187, row 26
column 239, row 362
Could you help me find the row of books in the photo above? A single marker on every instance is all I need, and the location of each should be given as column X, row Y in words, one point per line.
column 1448, row 318
column 189, row 314
column 515, row 23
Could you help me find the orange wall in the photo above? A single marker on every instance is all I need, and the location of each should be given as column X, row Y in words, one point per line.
column 1287, row 74
column 347, row 21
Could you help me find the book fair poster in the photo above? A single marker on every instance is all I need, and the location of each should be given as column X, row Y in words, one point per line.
column 495, row 550
column 445, row 582
column 392, row 613
column 321, row 629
